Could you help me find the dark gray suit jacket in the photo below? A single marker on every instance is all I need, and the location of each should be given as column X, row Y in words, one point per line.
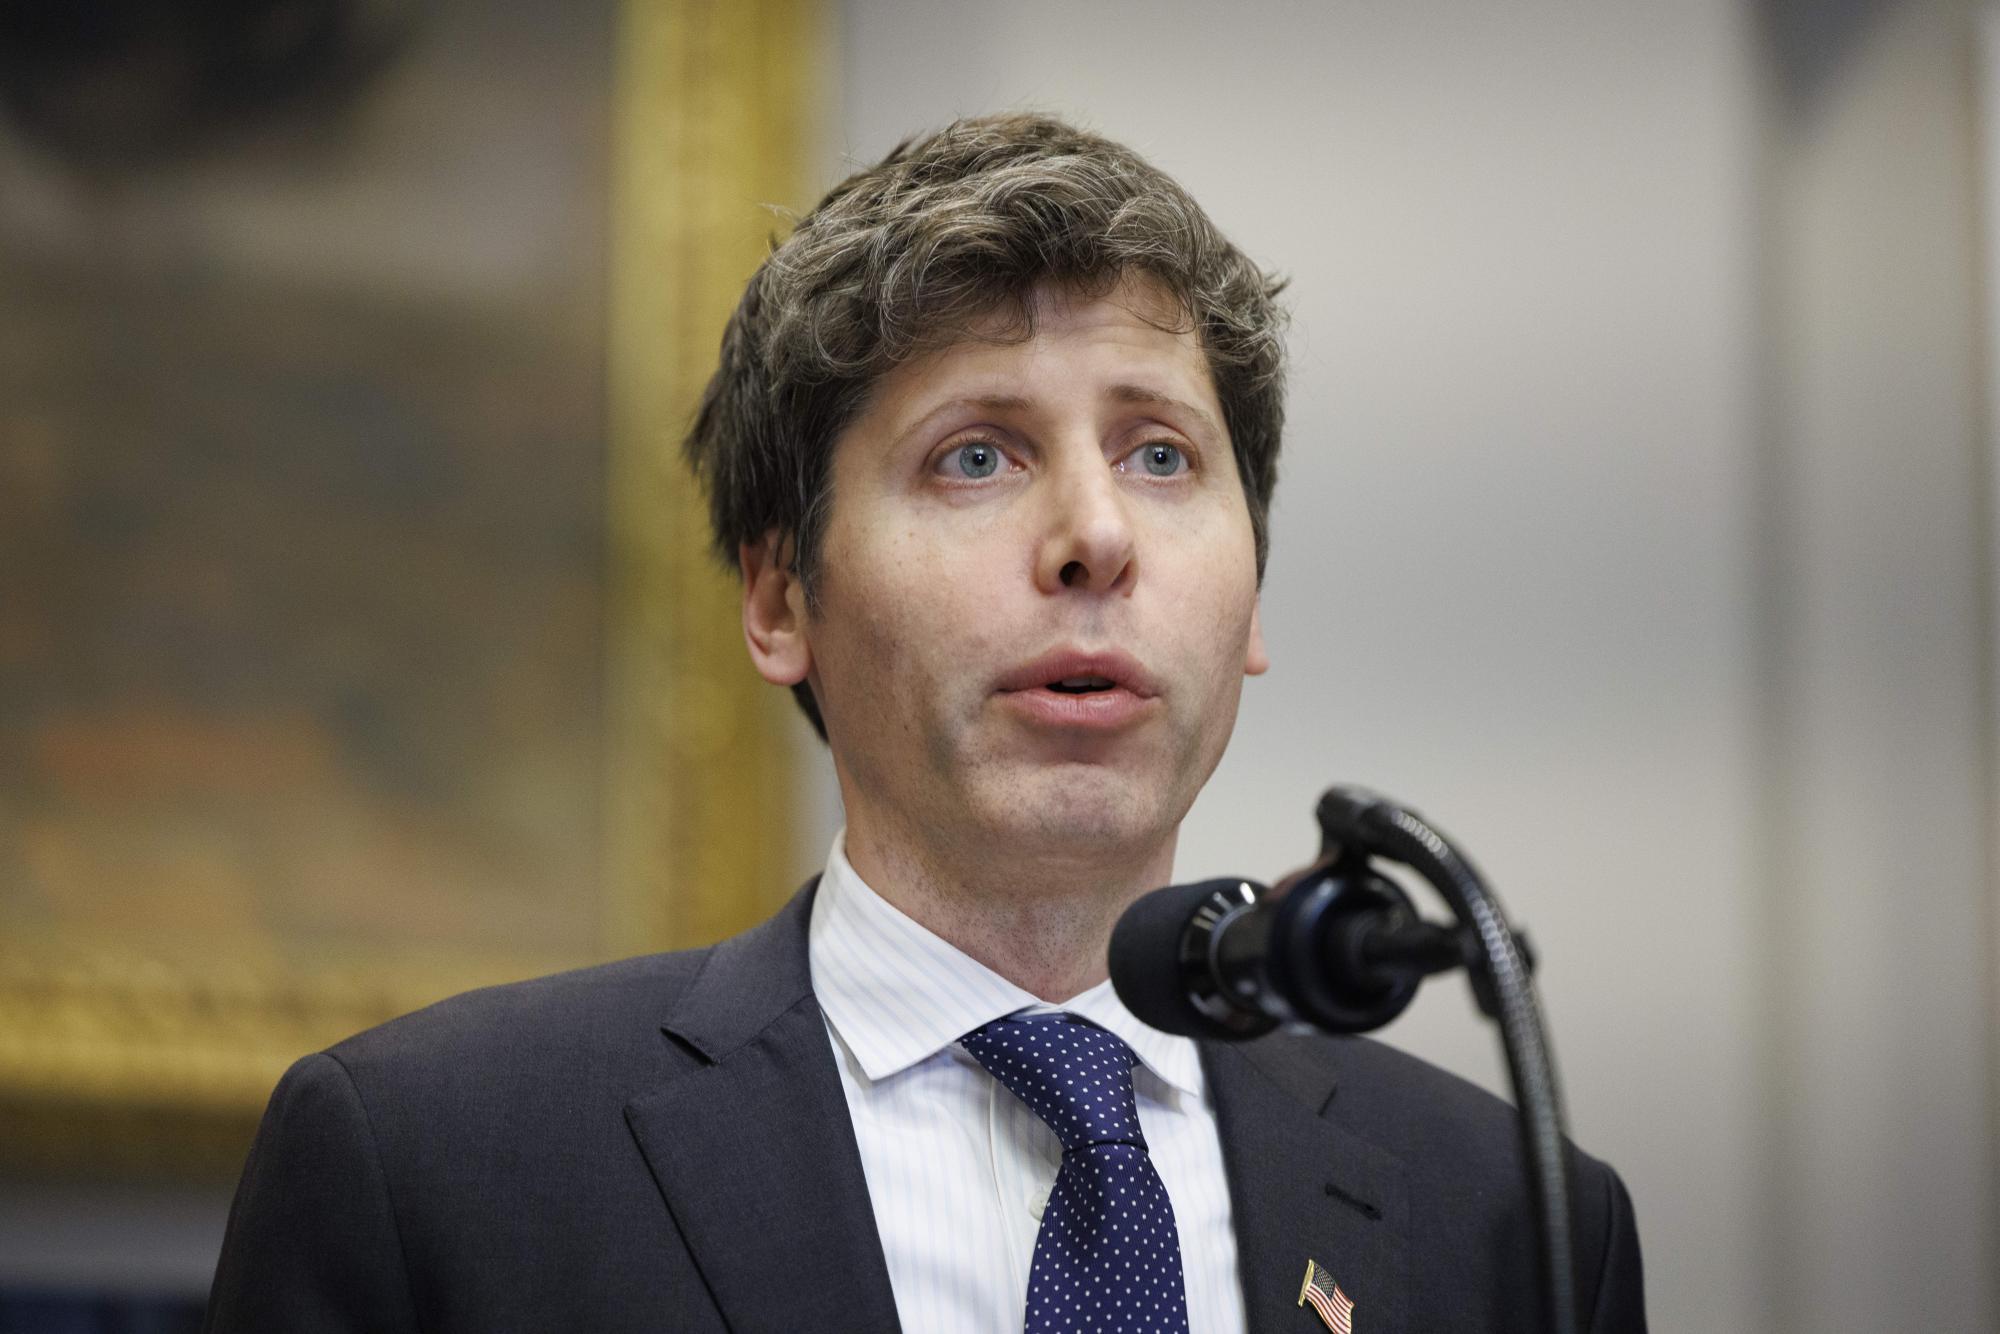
column 663, row 1144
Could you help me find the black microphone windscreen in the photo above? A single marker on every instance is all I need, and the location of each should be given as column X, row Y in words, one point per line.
column 1146, row 960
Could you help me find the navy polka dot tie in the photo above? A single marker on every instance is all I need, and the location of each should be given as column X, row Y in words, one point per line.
column 1108, row 1256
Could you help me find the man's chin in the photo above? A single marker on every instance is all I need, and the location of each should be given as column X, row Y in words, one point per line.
column 1084, row 811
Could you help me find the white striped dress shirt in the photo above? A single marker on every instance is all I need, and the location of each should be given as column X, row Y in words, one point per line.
column 958, row 1168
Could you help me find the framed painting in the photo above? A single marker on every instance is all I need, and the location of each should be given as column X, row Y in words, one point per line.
column 358, row 640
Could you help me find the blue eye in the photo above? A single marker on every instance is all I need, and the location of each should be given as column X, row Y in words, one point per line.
column 977, row 459
column 1162, row 459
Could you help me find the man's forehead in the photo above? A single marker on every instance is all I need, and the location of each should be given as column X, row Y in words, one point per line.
column 1020, row 365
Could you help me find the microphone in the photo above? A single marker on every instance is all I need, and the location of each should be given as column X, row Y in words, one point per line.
column 1336, row 946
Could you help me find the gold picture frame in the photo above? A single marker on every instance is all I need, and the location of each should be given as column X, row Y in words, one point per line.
column 116, row 1063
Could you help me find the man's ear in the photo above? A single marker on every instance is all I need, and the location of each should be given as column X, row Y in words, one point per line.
column 1255, row 660
column 774, row 611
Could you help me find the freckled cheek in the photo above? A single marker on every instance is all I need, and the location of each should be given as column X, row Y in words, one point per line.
column 950, row 569
column 923, row 619
column 1210, row 590
column 1207, row 559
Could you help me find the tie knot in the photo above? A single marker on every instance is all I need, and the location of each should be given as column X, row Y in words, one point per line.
column 1071, row 1073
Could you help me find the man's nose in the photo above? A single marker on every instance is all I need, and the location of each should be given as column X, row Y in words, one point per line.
column 1088, row 541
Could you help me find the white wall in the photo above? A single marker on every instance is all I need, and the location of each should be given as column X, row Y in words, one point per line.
column 1525, row 576
column 1878, row 704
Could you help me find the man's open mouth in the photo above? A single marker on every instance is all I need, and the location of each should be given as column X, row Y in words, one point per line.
column 1081, row 685
column 1080, row 672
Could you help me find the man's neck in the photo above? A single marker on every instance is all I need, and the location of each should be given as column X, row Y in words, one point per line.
column 1043, row 922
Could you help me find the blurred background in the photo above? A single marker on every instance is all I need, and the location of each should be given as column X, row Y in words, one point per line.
column 1637, row 524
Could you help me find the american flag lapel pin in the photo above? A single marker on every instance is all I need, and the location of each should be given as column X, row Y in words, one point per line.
column 1335, row 1307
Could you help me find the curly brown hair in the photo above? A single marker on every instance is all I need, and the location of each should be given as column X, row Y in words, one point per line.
column 907, row 255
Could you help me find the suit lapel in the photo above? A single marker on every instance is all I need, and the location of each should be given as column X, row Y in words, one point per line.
column 753, row 1148
column 1302, row 1187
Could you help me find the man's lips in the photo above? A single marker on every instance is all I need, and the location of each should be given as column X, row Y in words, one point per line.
column 1121, row 690
column 1121, row 670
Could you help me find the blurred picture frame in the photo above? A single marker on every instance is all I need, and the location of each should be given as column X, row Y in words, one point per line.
column 367, row 646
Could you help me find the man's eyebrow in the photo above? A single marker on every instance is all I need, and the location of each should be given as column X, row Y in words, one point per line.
column 1135, row 394
column 1140, row 394
column 994, row 403
column 978, row 402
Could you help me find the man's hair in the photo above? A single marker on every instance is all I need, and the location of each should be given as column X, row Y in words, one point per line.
column 906, row 256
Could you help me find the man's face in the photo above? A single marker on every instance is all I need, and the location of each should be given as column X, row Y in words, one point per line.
column 1037, row 597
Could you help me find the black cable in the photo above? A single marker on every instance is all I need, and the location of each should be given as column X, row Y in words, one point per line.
column 1402, row 835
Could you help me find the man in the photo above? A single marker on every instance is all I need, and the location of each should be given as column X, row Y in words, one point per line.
column 992, row 444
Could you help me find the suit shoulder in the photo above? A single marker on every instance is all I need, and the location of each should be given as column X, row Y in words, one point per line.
column 1376, row 1078
column 1403, row 1103
column 596, row 1015
column 1362, row 1068
column 1460, row 1148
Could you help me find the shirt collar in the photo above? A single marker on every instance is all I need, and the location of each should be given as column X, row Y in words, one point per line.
column 897, row 993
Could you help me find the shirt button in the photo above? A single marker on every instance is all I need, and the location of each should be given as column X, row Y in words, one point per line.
column 1038, row 1200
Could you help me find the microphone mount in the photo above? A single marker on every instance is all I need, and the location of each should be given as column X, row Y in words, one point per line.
column 1354, row 821
column 1340, row 947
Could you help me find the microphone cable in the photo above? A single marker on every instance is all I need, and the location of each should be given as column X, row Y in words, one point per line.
column 1505, row 989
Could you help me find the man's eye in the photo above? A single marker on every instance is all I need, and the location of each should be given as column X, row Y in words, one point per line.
column 974, row 460
column 1162, row 459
